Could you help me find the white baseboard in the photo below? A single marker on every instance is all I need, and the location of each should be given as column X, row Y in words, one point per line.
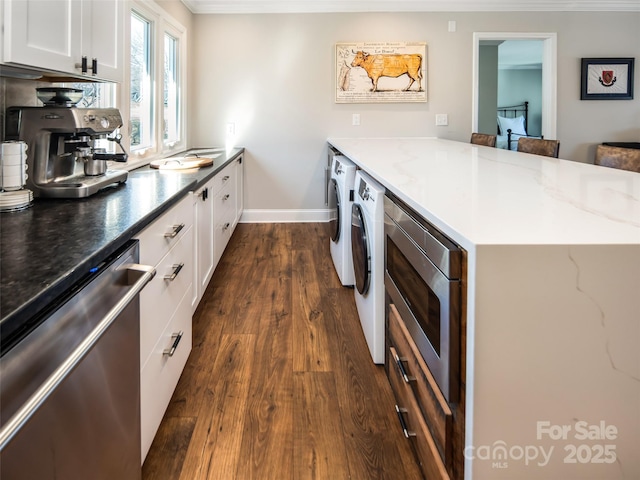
column 284, row 216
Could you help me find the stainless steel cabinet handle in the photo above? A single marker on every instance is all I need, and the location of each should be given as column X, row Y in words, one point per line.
column 226, row 226
column 176, row 340
column 16, row 422
column 175, row 230
column 400, row 364
column 226, row 197
column 174, row 274
column 401, row 411
column 225, row 178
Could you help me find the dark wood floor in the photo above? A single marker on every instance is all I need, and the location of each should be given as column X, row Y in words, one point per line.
column 280, row 383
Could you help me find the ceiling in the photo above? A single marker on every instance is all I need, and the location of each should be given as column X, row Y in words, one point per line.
column 318, row 6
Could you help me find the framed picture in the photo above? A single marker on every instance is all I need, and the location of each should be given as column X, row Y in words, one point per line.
column 607, row 79
column 381, row 72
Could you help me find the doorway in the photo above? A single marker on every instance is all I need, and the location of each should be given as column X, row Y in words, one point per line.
column 483, row 104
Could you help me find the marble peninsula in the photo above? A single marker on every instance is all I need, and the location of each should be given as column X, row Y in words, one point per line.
column 553, row 301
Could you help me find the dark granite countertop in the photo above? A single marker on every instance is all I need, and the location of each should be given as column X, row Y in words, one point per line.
column 47, row 248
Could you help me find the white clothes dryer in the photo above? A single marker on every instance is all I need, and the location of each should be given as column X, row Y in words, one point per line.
column 367, row 245
column 340, row 195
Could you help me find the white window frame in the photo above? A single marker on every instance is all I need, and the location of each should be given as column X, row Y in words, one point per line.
column 161, row 22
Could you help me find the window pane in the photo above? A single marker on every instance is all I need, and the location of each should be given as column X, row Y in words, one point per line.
column 141, row 93
column 96, row 95
column 171, row 114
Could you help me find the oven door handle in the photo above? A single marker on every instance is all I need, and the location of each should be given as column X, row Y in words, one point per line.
column 142, row 274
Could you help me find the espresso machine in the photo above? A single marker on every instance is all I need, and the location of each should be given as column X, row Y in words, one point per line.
column 68, row 147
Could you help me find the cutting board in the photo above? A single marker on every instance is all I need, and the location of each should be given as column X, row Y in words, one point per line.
column 181, row 163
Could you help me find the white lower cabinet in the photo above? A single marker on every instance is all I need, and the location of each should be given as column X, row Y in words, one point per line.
column 165, row 313
column 161, row 372
column 217, row 209
column 223, row 217
column 239, row 203
column 184, row 244
column 203, row 241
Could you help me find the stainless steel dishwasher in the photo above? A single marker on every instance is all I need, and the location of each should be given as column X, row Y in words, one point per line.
column 70, row 389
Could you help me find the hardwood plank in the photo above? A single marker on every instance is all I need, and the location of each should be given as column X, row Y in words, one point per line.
column 169, row 449
column 374, row 443
column 241, row 277
column 214, row 447
column 318, row 448
column 310, row 344
column 314, row 237
column 267, row 442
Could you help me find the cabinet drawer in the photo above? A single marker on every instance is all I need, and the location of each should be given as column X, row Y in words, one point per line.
column 160, row 298
column 415, row 427
column 160, row 374
column 419, row 381
column 165, row 231
column 224, row 201
column 227, row 176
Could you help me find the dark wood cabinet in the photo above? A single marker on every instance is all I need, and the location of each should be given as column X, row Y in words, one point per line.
column 433, row 426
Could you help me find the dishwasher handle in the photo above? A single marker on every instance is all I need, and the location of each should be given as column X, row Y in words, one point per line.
column 141, row 275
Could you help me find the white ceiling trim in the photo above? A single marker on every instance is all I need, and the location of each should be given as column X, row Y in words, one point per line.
column 330, row 6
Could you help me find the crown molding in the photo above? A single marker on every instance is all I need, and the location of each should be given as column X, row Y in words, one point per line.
column 349, row 6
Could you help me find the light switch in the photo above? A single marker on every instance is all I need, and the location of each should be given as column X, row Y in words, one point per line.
column 442, row 119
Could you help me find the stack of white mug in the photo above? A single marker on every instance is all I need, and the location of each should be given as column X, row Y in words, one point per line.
column 13, row 176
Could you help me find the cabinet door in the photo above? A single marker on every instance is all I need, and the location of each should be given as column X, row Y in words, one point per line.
column 203, row 204
column 103, row 36
column 55, row 35
column 44, row 34
column 239, row 193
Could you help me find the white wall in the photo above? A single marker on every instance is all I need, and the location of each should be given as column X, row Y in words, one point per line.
column 272, row 75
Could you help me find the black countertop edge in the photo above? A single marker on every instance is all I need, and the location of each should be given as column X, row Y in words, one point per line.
column 24, row 309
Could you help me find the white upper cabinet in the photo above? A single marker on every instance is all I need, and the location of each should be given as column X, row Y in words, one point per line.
column 103, row 36
column 55, row 35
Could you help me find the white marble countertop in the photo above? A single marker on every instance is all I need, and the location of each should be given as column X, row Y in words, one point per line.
column 488, row 196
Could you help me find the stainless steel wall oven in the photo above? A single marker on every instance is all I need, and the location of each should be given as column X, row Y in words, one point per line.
column 423, row 270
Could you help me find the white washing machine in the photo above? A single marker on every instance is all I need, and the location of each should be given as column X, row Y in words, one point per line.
column 340, row 195
column 367, row 245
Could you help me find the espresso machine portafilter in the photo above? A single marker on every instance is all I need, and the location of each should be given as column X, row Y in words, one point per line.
column 68, row 148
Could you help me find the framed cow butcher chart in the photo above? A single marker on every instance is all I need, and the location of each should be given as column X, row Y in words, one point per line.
column 381, row 72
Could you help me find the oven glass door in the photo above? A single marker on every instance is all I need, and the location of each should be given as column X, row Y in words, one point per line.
column 334, row 210
column 360, row 250
column 427, row 302
column 419, row 296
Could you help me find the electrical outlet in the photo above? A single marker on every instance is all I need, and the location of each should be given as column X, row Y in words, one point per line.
column 442, row 119
column 355, row 120
column 231, row 128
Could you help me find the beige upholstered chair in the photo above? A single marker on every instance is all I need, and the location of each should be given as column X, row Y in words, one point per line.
column 617, row 157
column 539, row 146
column 483, row 139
